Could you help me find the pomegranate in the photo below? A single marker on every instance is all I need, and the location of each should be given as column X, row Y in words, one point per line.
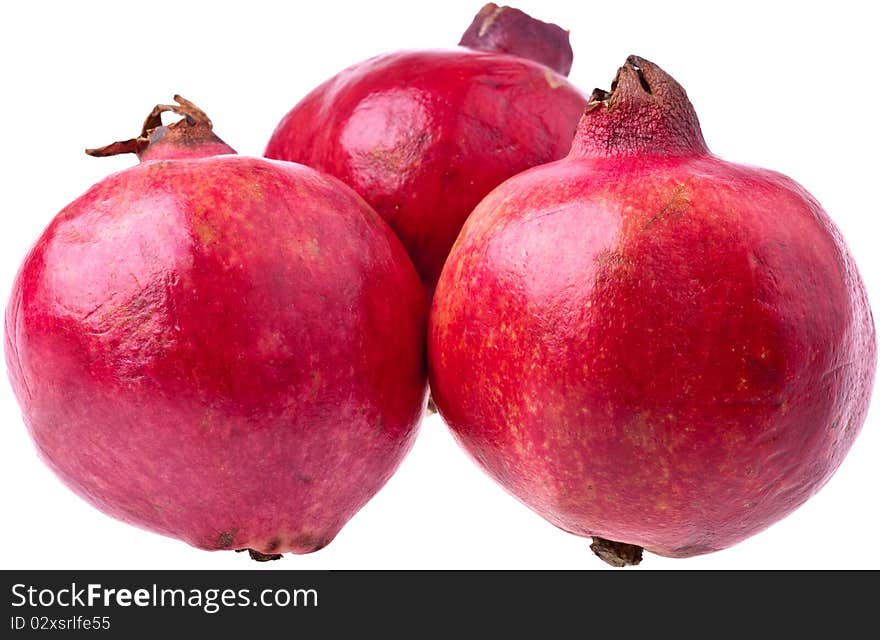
column 647, row 344
column 223, row 349
column 423, row 136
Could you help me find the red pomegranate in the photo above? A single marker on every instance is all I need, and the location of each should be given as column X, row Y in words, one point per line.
column 223, row 349
column 423, row 136
column 647, row 344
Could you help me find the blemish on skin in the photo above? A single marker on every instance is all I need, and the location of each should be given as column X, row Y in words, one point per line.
column 677, row 204
column 316, row 385
column 640, row 432
column 225, row 539
column 206, row 423
column 312, row 543
column 273, row 544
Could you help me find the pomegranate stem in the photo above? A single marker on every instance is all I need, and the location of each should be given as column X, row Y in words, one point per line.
column 617, row 554
column 263, row 557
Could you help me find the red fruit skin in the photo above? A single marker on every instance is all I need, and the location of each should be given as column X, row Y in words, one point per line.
column 226, row 350
column 423, row 136
column 668, row 350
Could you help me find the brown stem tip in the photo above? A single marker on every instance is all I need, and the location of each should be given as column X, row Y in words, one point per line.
column 260, row 557
column 617, row 554
column 509, row 30
column 194, row 127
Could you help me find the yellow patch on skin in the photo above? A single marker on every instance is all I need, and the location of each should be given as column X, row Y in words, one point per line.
column 205, row 232
column 552, row 79
column 522, row 447
column 254, row 188
column 531, row 406
column 308, row 248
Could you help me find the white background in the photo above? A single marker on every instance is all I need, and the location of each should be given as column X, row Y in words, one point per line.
column 789, row 86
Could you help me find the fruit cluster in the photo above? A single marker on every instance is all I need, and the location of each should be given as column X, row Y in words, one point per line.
column 645, row 344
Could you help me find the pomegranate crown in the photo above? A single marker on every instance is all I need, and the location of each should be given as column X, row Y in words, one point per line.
column 645, row 112
column 190, row 137
column 511, row 31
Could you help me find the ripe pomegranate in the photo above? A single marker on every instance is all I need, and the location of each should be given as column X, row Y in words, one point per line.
column 223, row 349
column 647, row 344
column 423, row 136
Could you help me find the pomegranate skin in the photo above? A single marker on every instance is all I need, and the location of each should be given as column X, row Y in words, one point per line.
column 424, row 135
column 647, row 344
column 227, row 350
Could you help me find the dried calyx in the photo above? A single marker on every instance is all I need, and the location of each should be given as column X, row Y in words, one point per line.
column 645, row 112
column 617, row 554
column 191, row 136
